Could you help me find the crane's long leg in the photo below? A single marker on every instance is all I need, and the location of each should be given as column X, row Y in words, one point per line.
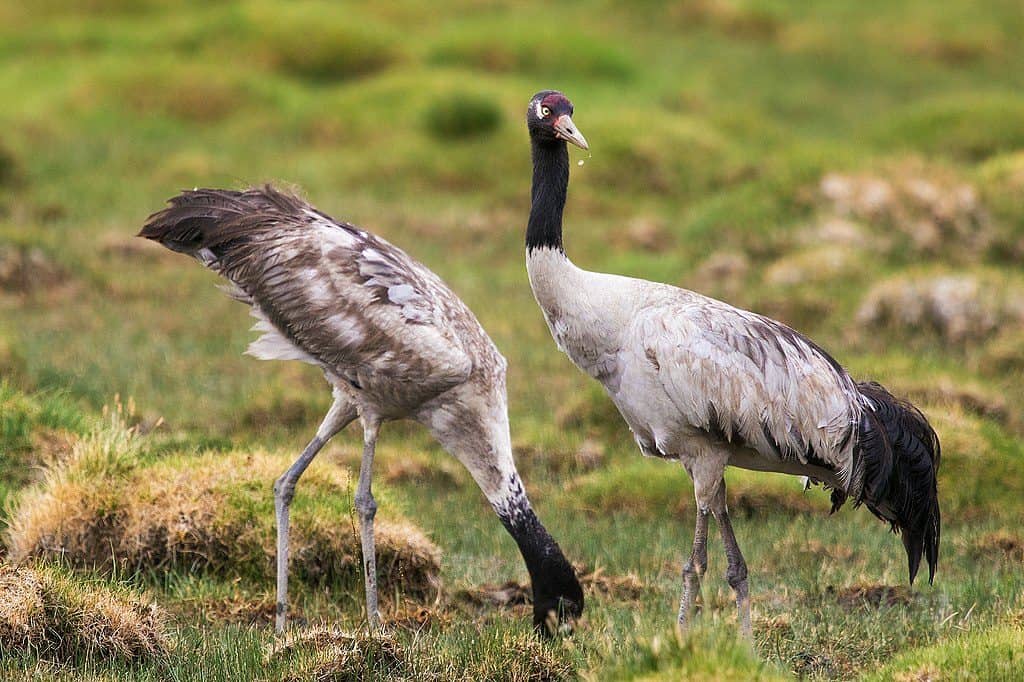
column 736, row 573
column 338, row 417
column 366, row 506
column 693, row 570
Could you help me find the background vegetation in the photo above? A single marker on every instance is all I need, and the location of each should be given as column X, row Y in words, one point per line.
column 855, row 169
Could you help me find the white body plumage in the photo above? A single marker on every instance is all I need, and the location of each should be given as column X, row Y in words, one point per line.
column 685, row 370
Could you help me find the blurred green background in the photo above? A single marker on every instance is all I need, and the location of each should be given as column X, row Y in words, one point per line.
column 855, row 169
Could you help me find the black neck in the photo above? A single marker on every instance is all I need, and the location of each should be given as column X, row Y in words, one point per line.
column 554, row 582
column 550, row 182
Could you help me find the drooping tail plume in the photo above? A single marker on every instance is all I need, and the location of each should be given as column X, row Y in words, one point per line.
column 217, row 219
column 900, row 454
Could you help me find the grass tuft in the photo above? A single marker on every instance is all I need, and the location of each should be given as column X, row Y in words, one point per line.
column 318, row 43
column 326, row 654
column 49, row 612
column 537, row 51
column 8, row 166
column 185, row 93
column 462, row 115
column 916, row 209
column 958, row 308
column 26, row 269
column 107, row 507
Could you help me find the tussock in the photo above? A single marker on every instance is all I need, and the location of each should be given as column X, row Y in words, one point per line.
column 930, row 207
column 736, row 20
column 418, row 618
column 774, row 626
column 24, row 269
column 999, row 543
column 47, row 612
column 519, row 657
column 105, row 507
column 185, row 92
column 723, row 273
column 326, row 654
column 1004, row 353
column 814, row 266
column 871, row 595
column 959, row 308
column 645, row 234
column 487, row 596
column 514, row 593
column 756, row 503
column 8, row 166
column 970, row 398
column 439, row 470
column 590, row 455
column 617, row 587
column 927, row 672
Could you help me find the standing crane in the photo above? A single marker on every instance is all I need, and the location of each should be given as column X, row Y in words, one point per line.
column 393, row 341
column 710, row 385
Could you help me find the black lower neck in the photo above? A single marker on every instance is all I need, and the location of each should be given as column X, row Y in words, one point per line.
column 555, row 586
column 550, row 184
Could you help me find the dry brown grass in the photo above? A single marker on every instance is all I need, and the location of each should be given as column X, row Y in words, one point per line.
column 814, row 266
column 925, row 673
column 321, row 653
column 960, row 308
column 929, row 207
column 1004, row 352
column 487, row 596
column 613, row 587
column 755, row 503
column 871, row 595
column 105, row 508
column 1000, row 543
column 513, row 594
column 47, row 612
column 644, row 234
column 327, row 654
column 26, row 269
column 722, row 274
column 736, row 20
column 972, row 398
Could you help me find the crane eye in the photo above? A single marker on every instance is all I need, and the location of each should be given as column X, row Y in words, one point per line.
column 545, row 112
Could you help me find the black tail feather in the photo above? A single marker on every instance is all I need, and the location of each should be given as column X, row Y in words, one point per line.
column 899, row 454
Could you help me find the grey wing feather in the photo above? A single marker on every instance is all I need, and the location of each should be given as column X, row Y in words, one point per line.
column 323, row 291
column 753, row 380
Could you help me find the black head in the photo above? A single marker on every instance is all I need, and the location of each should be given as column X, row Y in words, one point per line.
column 549, row 119
column 557, row 597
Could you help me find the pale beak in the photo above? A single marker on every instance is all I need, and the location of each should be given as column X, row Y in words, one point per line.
column 566, row 130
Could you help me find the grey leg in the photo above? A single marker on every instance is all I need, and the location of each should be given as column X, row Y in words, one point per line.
column 693, row 570
column 367, row 508
column 736, row 573
column 338, row 417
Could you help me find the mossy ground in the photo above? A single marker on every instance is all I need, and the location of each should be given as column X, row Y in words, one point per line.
column 792, row 158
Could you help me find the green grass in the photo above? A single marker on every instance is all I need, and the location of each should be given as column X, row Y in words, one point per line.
column 711, row 123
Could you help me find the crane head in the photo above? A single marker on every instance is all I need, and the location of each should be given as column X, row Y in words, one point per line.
column 549, row 118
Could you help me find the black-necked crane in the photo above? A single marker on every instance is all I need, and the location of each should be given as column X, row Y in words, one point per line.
column 392, row 340
column 710, row 385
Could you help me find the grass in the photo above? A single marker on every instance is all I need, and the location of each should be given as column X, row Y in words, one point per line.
column 809, row 162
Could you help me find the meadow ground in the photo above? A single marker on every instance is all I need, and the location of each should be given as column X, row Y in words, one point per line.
column 855, row 169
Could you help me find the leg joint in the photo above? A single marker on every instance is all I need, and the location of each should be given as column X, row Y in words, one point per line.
column 693, row 569
column 366, row 505
column 736, row 573
column 284, row 489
